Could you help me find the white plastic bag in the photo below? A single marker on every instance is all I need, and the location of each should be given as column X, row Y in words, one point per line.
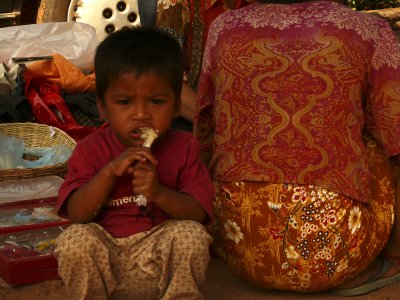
column 77, row 42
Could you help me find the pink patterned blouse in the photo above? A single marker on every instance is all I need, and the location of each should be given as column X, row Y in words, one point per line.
column 286, row 91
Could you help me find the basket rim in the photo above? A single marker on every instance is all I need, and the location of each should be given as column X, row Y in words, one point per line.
column 14, row 126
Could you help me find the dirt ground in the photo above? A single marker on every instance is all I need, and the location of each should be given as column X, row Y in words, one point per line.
column 221, row 283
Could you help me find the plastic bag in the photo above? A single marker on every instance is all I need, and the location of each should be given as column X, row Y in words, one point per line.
column 11, row 149
column 14, row 154
column 46, row 156
column 76, row 41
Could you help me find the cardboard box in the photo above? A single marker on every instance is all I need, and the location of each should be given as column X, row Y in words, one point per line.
column 26, row 256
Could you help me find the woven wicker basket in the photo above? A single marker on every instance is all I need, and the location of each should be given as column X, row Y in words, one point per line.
column 36, row 135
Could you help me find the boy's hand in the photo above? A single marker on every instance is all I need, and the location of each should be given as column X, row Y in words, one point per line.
column 128, row 159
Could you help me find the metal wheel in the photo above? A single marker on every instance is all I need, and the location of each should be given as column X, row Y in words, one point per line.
column 105, row 16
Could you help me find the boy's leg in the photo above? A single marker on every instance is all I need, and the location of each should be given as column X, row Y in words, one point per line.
column 169, row 262
column 84, row 262
column 185, row 252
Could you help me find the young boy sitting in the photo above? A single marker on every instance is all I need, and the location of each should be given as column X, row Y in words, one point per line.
column 137, row 210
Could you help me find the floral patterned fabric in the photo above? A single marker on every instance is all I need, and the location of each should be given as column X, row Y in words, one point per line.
column 302, row 237
column 287, row 89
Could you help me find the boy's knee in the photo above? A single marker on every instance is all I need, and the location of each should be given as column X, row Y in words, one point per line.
column 77, row 238
column 191, row 234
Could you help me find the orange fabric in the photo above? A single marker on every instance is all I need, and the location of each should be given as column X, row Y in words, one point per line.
column 44, row 81
column 62, row 73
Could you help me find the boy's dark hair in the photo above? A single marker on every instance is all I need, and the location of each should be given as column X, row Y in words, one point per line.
column 138, row 50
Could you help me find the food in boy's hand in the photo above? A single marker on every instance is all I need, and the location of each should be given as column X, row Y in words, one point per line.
column 148, row 135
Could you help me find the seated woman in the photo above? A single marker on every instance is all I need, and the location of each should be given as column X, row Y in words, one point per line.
column 298, row 114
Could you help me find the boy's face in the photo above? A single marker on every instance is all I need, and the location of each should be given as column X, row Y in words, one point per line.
column 132, row 103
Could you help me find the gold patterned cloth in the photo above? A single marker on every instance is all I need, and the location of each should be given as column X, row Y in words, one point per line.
column 302, row 237
column 287, row 89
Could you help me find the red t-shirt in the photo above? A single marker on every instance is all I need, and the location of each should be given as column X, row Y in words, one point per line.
column 179, row 168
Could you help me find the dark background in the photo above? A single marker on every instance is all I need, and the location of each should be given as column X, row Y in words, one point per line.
column 28, row 12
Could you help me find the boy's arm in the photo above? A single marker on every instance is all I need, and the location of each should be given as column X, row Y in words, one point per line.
column 179, row 205
column 84, row 203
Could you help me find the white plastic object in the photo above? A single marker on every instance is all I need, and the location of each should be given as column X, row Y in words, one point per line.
column 77, row 42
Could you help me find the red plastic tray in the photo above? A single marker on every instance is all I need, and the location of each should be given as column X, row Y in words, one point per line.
column 27, row 256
